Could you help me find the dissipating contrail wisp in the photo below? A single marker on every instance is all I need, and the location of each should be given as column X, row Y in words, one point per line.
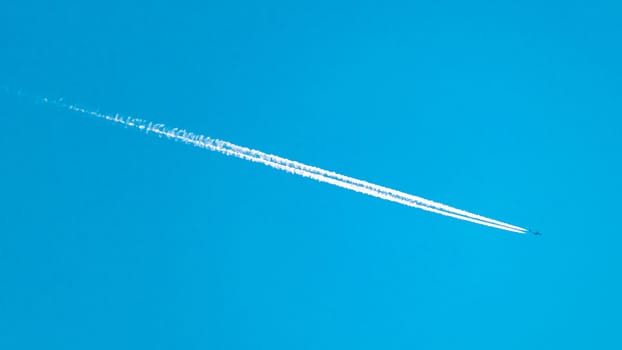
column 291, row 166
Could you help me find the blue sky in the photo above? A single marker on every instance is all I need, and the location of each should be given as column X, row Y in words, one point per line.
column 115, row 239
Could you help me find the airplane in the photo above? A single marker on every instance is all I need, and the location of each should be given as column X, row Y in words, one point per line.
column 535, row 233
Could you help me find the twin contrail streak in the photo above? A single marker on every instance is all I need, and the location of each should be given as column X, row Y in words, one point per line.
column 294, row 167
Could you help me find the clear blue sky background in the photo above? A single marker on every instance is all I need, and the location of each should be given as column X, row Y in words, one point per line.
column 112, row 239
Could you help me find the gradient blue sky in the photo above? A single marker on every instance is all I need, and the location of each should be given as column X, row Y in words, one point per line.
column 111, row 239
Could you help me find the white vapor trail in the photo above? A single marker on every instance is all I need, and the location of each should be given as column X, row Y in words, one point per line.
column 294, row 167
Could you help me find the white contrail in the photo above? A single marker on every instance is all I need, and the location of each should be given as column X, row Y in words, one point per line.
column 294, row 167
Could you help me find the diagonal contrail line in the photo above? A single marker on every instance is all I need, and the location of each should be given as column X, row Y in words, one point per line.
column 294, row 167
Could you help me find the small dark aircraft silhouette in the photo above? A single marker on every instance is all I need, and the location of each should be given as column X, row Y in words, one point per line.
column 535, row 233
